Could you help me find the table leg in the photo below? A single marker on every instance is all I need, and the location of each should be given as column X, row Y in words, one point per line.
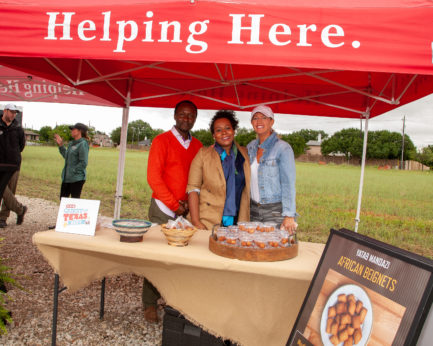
column 102, row 305
column 55, row 308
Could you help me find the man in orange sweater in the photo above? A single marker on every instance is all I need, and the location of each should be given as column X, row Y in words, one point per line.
column 168, row 164
column 170, row 156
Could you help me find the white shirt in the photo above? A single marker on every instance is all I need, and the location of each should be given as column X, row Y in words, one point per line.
column 185, row 143
column 254, row 182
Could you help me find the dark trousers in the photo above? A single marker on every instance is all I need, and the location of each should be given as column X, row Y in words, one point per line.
column 6, row 172
column 266, row 212
column 4, row 179
column 150, row 294
column 72, row 189
column 5, row 175
column 155, row 214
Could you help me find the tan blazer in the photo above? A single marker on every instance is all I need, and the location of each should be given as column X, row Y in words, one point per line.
column 206, row 174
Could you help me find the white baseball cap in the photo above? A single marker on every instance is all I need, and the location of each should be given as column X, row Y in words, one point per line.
column 11, row 107
column 265, row 110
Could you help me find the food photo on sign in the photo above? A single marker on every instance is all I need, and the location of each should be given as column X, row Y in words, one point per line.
column 365, row 292
column 347, row 314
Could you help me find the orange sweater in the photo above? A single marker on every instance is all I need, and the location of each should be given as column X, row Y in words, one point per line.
column 168, row 168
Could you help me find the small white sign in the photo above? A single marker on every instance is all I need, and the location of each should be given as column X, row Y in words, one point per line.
column 78, row 216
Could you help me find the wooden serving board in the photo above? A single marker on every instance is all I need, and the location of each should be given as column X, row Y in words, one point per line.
column 254, row 255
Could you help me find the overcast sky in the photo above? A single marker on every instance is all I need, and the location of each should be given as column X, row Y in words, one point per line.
column 419, row 119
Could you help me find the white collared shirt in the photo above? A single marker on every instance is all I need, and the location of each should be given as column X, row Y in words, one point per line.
column 184, row 142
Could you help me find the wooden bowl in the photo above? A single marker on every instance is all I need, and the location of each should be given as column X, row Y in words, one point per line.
column 131, row 236
column 178, row 237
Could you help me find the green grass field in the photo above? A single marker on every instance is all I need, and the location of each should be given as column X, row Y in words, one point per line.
column 396, row 207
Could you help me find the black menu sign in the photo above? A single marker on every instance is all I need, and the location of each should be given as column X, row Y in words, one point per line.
column 364, row 292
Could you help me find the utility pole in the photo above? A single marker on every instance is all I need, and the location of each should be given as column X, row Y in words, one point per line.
column 402, row 145
column 138, row 136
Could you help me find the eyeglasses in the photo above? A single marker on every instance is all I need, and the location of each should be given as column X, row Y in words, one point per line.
column 255, row 118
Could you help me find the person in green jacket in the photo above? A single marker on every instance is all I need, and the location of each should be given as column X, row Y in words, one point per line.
column 76, row 158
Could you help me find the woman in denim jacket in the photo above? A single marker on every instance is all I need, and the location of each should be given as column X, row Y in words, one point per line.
column 273, row 173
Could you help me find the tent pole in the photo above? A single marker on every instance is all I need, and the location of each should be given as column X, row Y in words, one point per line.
column 361, row 182
column 122, row 151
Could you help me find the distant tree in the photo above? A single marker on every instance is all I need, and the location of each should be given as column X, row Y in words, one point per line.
column 63, row 131
column 381, row 144
column 409, row 149
column 346, row 141
column 91, row 132
column 203, row 136
column 155, row 133
column 115, row 135
column 244, row 136
column 385, row 144
column 45, row 134
column 311, row 135
column 425, row 156
column 296, row 141
column 138, row 130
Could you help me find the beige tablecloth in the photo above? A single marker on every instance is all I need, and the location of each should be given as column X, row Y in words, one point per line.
column 249, row 302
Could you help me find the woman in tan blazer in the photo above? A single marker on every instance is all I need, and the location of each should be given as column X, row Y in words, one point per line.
column 219, row 178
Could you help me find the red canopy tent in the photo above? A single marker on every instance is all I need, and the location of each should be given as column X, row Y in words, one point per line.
column 355, row 59
column 341, row 58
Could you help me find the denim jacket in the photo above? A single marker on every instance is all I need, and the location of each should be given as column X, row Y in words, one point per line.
column 276, row 173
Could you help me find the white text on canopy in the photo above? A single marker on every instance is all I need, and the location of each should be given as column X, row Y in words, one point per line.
column 244, row 31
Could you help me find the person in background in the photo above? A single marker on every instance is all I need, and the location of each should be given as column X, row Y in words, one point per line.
column 273, row 175
column 12, row 143
column 76, row 159
column 219, row 178
column 168, row 164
